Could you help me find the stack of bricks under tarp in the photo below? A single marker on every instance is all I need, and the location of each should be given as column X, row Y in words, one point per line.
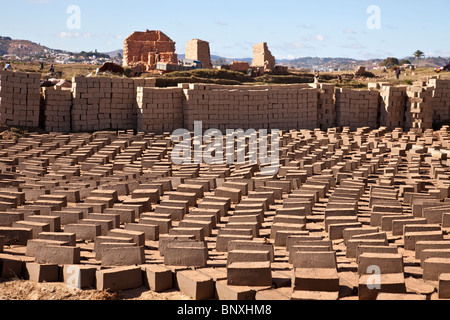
column 159, row 109
column 357, row 108
column 58, row 102
column 393, row 102
column 20, row 99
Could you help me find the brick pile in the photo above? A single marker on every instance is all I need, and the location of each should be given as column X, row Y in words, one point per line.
column 392, row 109
column 357, row 108
column 20, row 99
column 57, row 109
column 198, row 50
column 419, row 113
column 326, row 108
column 262, row 57
column 159, row 109
column 441, row 99
column 239, row 66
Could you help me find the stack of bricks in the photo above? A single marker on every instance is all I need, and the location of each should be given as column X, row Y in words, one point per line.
column 160, row 109
column 393, row 102
column 239, row 66
column 441, row 99
column 20, row 99
column 419, row 107
column 357, row 108
column 198, row 50
column 57, row 108
column 326, row 107
column 262, row 57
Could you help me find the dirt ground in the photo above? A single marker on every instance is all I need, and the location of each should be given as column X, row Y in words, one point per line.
column 31, row 291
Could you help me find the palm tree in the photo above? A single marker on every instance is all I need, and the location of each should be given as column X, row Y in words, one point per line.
column 418, row 55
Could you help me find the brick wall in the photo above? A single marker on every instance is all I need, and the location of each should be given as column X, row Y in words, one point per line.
column 393, row 106
column 57, row 108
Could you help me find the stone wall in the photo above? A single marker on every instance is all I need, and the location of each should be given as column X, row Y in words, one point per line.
column 20, row 99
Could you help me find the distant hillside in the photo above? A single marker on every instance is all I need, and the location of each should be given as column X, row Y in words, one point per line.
column 19, row 47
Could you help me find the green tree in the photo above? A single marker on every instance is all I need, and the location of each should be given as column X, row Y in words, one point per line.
column 390, row 62
column 418, row 55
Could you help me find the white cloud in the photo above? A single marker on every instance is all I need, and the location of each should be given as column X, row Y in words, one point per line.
column 349, row 31
column 73, row 35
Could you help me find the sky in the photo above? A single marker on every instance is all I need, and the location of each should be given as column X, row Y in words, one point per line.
column 357, row 29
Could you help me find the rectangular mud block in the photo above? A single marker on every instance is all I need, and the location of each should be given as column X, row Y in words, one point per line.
column 53, row 221
column 49, row 254
column 186, row 254
column 433, row 253
column 105, row 225
column 353, row 244
column 34, row 244
column 176, row 214
column 68, row 237
column 444, row 286
column 326, row 280
column 247, row 256
column 285, row 227
column 195, row 284
column 165, row 240
column 8, row 218
column 336, row 231
column 198, row 233
column 205, row 225
column 159, row 278
column 387, row 263
column 164, row 225
column 152, row 194
column 398, row 225
column 16, row 236
column 252, row 246
column 282, row 235
column 42, row 272
column 224, row 292
column 116, row 257
column 389, row 283
column 126, row 215
column 386, row 221
column 120, row 278
column 314, row 260
column 68, row 216
column 249, row 274
column 36, row 227
column 144, row 202
column 79, row 276
column 350, row 232
column 223, row 240
column 137, row 236
column 362, row 248
column 412, row 237
column 84, row 232
column 115, row 218
column 191, row 198
column 11, row 266
column 151, row 231
column 424, row 245
column 434, row 267
column 235, row 195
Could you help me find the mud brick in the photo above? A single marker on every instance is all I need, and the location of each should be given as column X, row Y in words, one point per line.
column 225, row 292
column 68, row 217
column 42, row 272
column 242, row 186
column 252, row 246
column 246, row 218
column 254, row 226
column 158, row 278
column 411, row 238
column 314, row 260
column 191, row 188
column 126, row 215
column 50, row 254
column 389, row 283
column 314, row 295
column 362, row 248
column 165, row 240
column 282, row 235
column 336, row 231
column 205, row 225
column 341, row 212
column 376, row 217
column 298, row 212
column 70, row 238
column 444, row 286
column 111, row 240
column 434, row 267
column 253, row 204
column 164, row 225
column 71, row 195
column 144, row 203
column 310, row 279
column 286, row 185
column 388, row 263
column 176, row 204
column 249, row 274
column 8, row 218
column 105, row 225
column 191, row 198
column 98, row 202
column 114, row 218
column 398, row 225
column 151, row 231
column 235, row 195
column 339, row 220
column 152, row 194
column 2, row 243
column 16, row 236
column 34, row 244
column 53, row 221
column 223, row 240
column 285, row 227
column 106, row 194
column 84, row 232
column 186, row 254
column 247, row 256
column 386, row 221
column 79, row 276
column 353, row 244
column 435, row 215
column 195, row 284
column 119, row 278
column 54, row 197
column 176, row 214
column 52, row 205
column 11, row 266
column 123, row 256
column 226, row 200
column 198, row 233
column 137, row 236
column 425, row 245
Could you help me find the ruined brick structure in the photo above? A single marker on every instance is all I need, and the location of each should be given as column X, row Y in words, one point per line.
column 142, row 48
column 199, row 50
column 262, row 57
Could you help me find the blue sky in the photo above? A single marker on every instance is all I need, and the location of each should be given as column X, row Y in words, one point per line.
column 292, row 28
